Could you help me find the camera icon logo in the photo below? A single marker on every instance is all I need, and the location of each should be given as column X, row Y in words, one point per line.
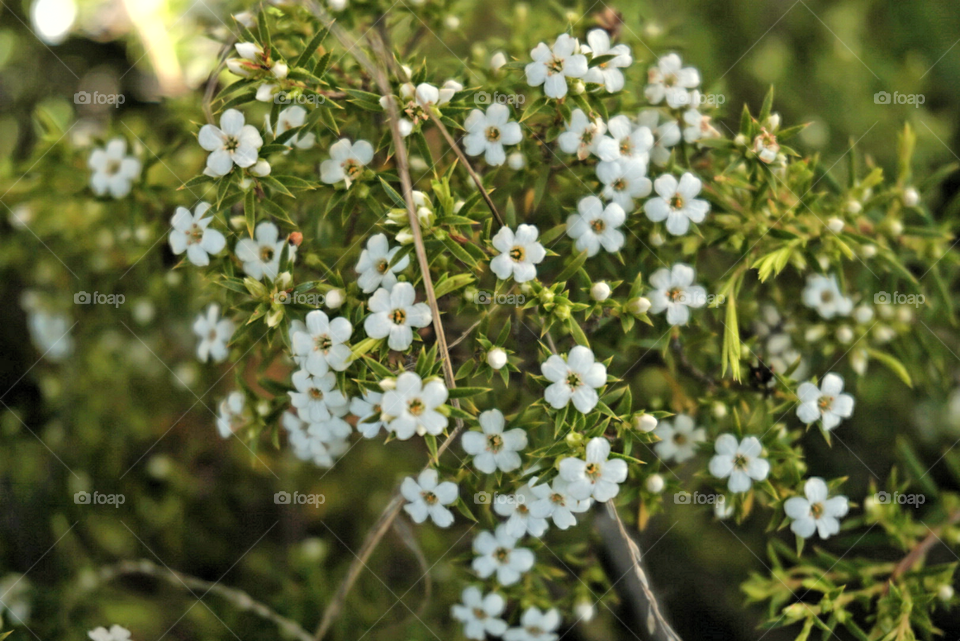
column 283, row 297
column 881, row 98
column 482, row 298
column 881, row 298
column 481, row 98
column 682, row 498
column 81, row 98
column 82, row 498
column 82, row 298
column 481, row 498
column 282, row 498
column 883, row 497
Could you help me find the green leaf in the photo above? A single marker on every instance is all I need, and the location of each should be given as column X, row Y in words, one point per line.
column 893, row 364
column 731, row 339
column 452, row 284
column 250, row 210
column 393, row 194
column 767, row 106
column 311, row 48
column 465, row 392
column 572, row 267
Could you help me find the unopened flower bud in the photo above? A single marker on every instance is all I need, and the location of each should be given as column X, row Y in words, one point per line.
column 496, row 358
column 638, row 306
column 335, row 298
column 498, row 60
column 574, row 439
column 835, row 225
column 295, row 239
column 584, row 611
column 844, row 335
column 911, row 197
column 516, row 161
column 655, row 483
column 600, row 291
column 645, row 422
column 945, row 593
column 854, row 207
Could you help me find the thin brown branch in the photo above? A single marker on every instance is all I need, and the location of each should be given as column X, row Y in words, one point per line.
column 920, row 549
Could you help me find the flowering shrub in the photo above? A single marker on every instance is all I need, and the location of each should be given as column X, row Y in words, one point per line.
column 482, row 279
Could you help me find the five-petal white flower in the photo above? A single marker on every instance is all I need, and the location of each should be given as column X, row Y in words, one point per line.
column 316, row 396
column 607, row 73
column 261, row 255
column 623, row 180
column 492, row 448
column 595, row 226
column 233, row 143
column 596, row 477
column 498, row 553
column 624, row 141
column 739, row 461
column 554, row 501
column 214, row 333
column 519, row 253
column 577, row 378
column 552, row 67
column 480, row 614
column 291, row 118
column 368, row 411
column 394, row 314
column 679, row 439
column 487, row 133
column 375, row 266
column 322, row 344
column 516, row 508
column 675, row 293
column 113, row 170
column 233, row 414
column 346, row 161
column 676, row 202
column 190, row 234
column 535, row 625
column 665, row 135
column 827, row 403
column 822, row 293
column 582, row 135
column 815, row 511
column 670, row 80
column 426, row 497
column 115, row 633
column 411, row 407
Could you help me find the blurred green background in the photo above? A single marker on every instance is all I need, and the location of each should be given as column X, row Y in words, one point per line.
column 132, row 412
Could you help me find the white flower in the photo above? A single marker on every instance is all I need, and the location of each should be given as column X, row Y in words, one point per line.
column 577, row 378
column 346, row 162
column 234, row 414
column 698, row 125
column 315, row 396
column 411, row 407
column 496, row 358
column 480, row 614
column 252, row 59
column 519, row 253
column 448, row 91
column 291, row 118
column 595, row 477
column 766, row 147
column 536, row 625
column 375, row 266
column 676, row 202
column 516, row 161
column 679, row 439
column 816, row 512
column 582, row 135
column 497, row 553
column 115, row 633
column 655, row 483
column 368, row 411
column 493, row 448
column 51, row 334
column 488, row 133
column 113, row 170
column 516, row 508
column 822, row 293
column 624, row 141
column 665, row 135
column 554, row 501
column 595, row 226
column 233, row 143
column 322, row 344
column 552, row 67
column 394, row 313
column 911, row 197
column 319, row 443
column 600, row 291
column 623, row 180
column 827, row 404
column 740, row 461
column 426, row 497
column 607, row 73
column 261, row 255
column 214, row 334
column 670, row 80
column 675, row 293
column 190, row 234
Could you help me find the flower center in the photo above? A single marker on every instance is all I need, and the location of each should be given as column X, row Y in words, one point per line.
column 479, row 614
column 532, row 629
column 113, row 166
column 740, row 462
column 416, row 407
column 429, row 497
column 555, row 65
column 592, row 471
column 231, row 144
column 675, row 294
column 266, row 254
column 518, row 254
column 382, row 266
column 501, row 554
column 626, row 147
column 523, row 509
column 620, row 184
column 194, row 235
column 679, row 439
column 598, row 225
column 494, row 443
column 399, row 316
column 670, row 80
column 351, row 167
column 676, row 202
column 212, row 335
column 558, row 498
column 825, row 402
column 493, row 134
column 816, row 510
column 826, row 296
column 573, row 380
column 323, row 342
column 315, row 394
